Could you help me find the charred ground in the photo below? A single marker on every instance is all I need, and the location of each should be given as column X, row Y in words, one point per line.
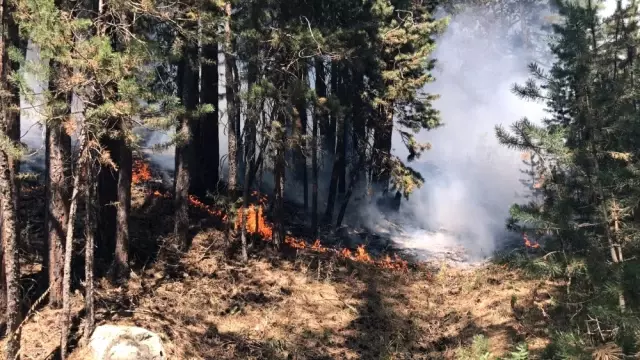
column 308, row 301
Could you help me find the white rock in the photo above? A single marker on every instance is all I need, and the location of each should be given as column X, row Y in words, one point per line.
column 115, row 342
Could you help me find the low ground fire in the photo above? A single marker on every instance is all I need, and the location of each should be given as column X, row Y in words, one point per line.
column 258, row 226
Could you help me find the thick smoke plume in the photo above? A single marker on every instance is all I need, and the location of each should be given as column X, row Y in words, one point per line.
column 470, row 179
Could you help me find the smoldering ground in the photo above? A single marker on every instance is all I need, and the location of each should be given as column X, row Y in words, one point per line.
column 470, row 179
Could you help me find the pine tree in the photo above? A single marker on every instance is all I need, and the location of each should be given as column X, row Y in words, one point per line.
column 586, row 155
column 9, row 155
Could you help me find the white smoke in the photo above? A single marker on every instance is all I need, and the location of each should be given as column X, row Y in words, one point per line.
column 470, row 179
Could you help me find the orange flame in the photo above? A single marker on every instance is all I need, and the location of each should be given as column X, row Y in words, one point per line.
column 257, row 225
column 141, row 172
column 162, row 195
column 206, row 208
column 528, row 243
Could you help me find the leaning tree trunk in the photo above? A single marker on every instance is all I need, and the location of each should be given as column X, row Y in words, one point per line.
column 121, row 264
column 68, row 251
column 57, row 185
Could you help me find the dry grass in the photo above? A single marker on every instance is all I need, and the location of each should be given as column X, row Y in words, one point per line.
column 206, row 307
column 308, row 306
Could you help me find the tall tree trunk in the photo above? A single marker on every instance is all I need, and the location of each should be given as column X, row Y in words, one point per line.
column 333, row 119
column 333, row 185
column 249, row 130
column 8, row 190
column 314, row 174
column 279, row 171
column 107, row 198
column 344, row 86
column 89, row 235
column 251, row 120
column 206, row 152
column 188, row 87
column 68, row 252
column 121, row 264
column 237, row 121
column 301, row 108
column 334, row 151
column 320, row 124
column 58, row 188
column 11, row 231
column 231, row 105
column 321, row 92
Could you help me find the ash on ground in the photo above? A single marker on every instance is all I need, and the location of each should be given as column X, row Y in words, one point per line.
column 389, row 234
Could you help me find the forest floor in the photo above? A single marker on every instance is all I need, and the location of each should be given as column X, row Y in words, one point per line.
column 297, row 304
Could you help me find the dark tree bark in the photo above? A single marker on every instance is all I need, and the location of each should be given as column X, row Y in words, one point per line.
column 250, row 147
column 231, row 105
column 58, row 190
column 249, row 129
column 320, row 124
column 314, row 175
column 107, row 200
column 279, row 172
column 344, row 86
column 331, row 130
column 188, row 87
column 382, row 150
column 321, row 92
column 10, row 235
column 359, row 115
column 68, row 251
column 206, row 154
column 121, row 264
column 355, row 177
column 237, row 121
column 333, row 185
column 302, row 123
column 336, row 151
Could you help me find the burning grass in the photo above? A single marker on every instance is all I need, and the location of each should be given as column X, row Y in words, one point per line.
column 257, row 224
column 528, row 243
column 141, row 172
column 324, row 303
